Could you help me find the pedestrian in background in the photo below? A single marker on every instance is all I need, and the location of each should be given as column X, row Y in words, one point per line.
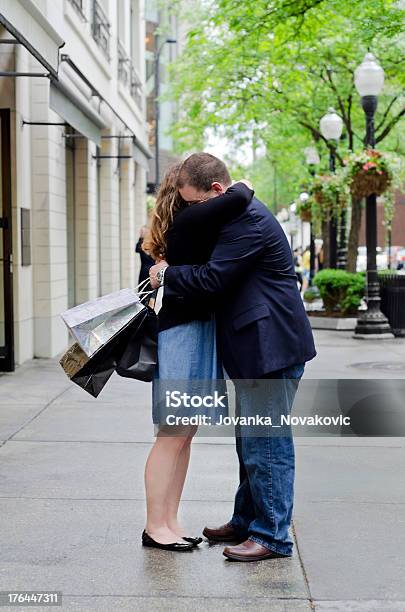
column 306, row 269
column 146, row 260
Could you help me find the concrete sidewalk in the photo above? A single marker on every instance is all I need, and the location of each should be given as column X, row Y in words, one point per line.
column 72, row 502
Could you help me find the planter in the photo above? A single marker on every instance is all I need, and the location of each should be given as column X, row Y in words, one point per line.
column 365, row 183
column 335, row 323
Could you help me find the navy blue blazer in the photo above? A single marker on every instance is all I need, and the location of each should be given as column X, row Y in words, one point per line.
column 261, row 320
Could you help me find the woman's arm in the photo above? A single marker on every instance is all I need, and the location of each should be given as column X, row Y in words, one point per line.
column 217, row 211
column 239, row 246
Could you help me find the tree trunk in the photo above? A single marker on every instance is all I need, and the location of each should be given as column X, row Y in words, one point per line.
column 354, row 235
column 325, row 244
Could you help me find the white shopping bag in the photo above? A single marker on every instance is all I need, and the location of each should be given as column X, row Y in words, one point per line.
column 95, row 322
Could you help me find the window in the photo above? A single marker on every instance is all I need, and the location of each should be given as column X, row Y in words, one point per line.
column 79, row 7
column 101, row 28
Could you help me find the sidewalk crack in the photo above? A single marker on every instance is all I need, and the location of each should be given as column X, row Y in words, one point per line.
column 3, row 443
column 304, row 573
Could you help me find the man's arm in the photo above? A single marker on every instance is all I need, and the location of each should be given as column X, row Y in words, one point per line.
column 238, row 247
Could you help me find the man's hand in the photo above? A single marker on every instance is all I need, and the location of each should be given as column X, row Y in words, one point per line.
column 154, row 281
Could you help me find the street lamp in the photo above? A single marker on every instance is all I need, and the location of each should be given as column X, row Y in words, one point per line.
column 369, row 81
column 169, row 41
column 331, row 126
column 312, row 159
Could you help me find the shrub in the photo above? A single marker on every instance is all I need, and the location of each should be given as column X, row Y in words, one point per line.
column 340, row 290
column 311, row 294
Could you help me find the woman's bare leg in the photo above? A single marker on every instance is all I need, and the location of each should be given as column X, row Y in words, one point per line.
column 159, row 476
column 176, row 489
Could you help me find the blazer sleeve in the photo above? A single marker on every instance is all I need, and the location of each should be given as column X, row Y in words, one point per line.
column 217, row 211
column 239, row 246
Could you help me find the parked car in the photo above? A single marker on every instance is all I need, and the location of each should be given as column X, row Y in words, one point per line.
column 382, row 259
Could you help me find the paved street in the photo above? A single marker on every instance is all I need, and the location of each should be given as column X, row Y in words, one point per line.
column 72, row 502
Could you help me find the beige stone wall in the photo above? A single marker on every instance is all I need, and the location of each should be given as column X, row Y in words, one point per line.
column 109, row 196
column 49, row 244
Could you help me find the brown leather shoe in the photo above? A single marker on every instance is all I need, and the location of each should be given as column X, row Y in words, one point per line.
column 224, row 533
column 249, row 551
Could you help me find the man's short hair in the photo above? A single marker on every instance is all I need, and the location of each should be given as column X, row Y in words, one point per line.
column 200, row 170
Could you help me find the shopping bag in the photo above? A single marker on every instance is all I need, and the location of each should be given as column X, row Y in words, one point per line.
column 133, row 350
column 73, row 360
column 94, row 323
column 95, row 373
column 90, row 373
column 139, row 358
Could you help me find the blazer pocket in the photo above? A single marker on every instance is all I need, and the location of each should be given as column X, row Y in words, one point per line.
column 259, row 311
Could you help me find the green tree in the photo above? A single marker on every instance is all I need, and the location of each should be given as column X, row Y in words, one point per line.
column 269, row 71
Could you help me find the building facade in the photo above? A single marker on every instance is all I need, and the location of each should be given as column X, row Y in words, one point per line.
column 165, row 37
column 74, row 159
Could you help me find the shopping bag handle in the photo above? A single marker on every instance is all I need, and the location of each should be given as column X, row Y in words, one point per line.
column 145, row 295
column 142, row 285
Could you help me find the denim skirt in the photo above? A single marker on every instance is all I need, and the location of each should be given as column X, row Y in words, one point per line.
column 187, row 356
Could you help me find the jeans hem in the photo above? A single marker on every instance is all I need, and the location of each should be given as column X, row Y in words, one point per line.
column 271, row 547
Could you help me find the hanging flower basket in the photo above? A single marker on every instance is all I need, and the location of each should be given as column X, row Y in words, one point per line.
column 365, row 183
column 306, row 215
column 304, row 210
column 317, row 191
column 369, row 172
column 331, row 193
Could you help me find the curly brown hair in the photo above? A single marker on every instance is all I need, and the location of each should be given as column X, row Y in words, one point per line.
column 168, row 201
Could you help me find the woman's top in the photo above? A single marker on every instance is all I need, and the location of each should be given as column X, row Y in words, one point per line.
column 190, row 240
column 146, row 261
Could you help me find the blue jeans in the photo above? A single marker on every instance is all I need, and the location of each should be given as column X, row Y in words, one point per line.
column 264, row 499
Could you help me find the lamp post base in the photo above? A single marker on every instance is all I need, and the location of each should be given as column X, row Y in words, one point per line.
column 372, row 323
column 385, row 336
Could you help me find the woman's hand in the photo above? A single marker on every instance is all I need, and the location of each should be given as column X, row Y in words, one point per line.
column 155, row 281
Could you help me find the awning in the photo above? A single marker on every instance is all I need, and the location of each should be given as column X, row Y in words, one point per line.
column 27, row 24
column 75, row 111
column 141, row 154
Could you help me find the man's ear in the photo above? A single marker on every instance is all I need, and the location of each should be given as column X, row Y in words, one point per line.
column 217, row 187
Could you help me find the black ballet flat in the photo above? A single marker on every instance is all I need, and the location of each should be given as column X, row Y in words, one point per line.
column 174, row 546
column 194, row 541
